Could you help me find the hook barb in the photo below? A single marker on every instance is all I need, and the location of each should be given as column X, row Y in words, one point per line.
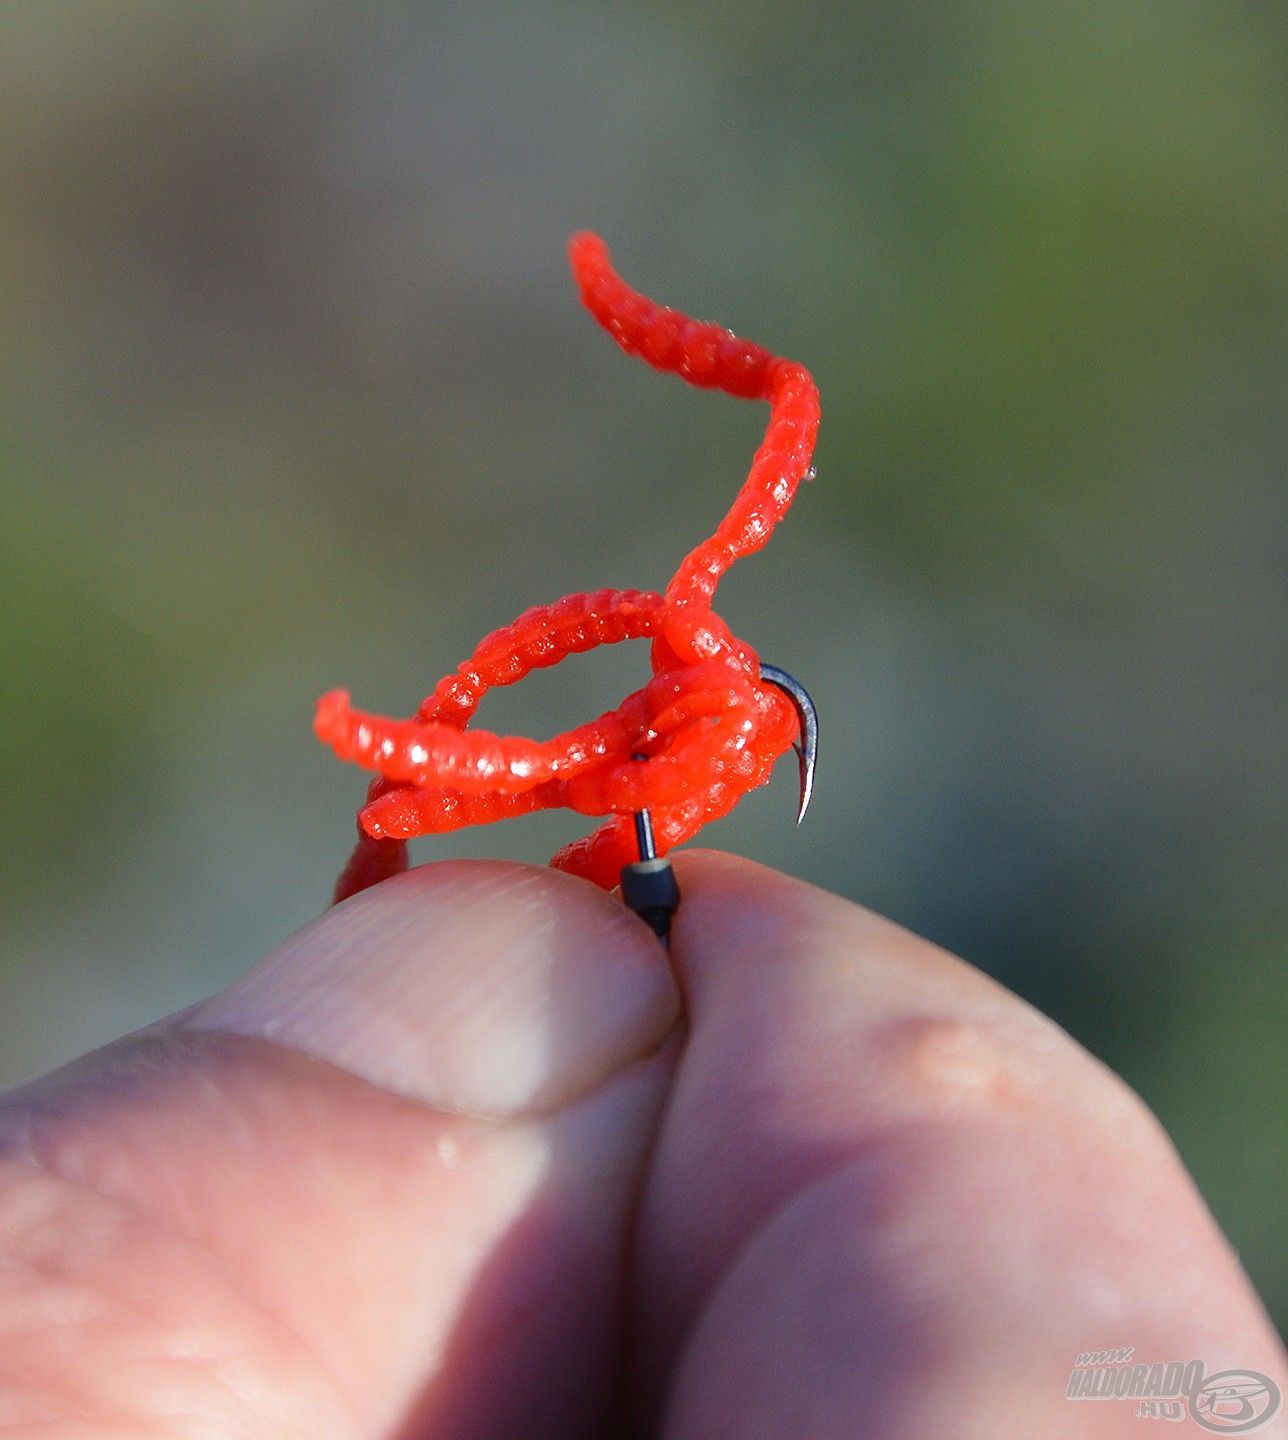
column 807, row 746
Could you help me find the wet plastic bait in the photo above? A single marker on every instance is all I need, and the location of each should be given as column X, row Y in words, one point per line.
column 686, row 747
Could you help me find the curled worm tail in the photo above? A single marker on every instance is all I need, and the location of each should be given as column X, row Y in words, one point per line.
column 714, row 358
column 701, row 353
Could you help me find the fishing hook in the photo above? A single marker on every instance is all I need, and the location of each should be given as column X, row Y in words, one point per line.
column 649, row 885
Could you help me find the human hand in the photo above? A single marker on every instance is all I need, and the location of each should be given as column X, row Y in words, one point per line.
column 456, row 1161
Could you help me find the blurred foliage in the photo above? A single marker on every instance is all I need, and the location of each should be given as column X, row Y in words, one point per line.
column 296, row 394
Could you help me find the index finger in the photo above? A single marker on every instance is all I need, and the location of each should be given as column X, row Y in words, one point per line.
column 890, row 1198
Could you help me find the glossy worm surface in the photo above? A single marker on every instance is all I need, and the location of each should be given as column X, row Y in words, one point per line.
column 690, row 743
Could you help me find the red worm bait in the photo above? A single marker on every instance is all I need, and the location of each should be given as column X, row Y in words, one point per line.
column 684, row 748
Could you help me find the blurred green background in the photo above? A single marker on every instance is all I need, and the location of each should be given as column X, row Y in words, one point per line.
column 296, row 393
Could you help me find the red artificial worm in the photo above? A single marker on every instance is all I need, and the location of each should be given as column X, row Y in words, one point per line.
column 709, row 724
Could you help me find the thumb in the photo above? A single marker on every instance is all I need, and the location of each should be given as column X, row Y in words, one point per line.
column 379, row 1186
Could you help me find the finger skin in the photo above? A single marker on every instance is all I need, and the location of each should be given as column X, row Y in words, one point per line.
column 379, row 1188
column 890, row 1199
column 387, row 1186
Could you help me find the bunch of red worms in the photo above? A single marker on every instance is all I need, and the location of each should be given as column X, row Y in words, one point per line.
column 688, row 745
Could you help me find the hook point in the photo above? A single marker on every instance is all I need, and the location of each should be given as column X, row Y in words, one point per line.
column 807, row 716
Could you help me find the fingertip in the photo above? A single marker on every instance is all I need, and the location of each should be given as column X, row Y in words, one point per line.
column 736, row 914
column 948, row 1156
column 482, row 986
